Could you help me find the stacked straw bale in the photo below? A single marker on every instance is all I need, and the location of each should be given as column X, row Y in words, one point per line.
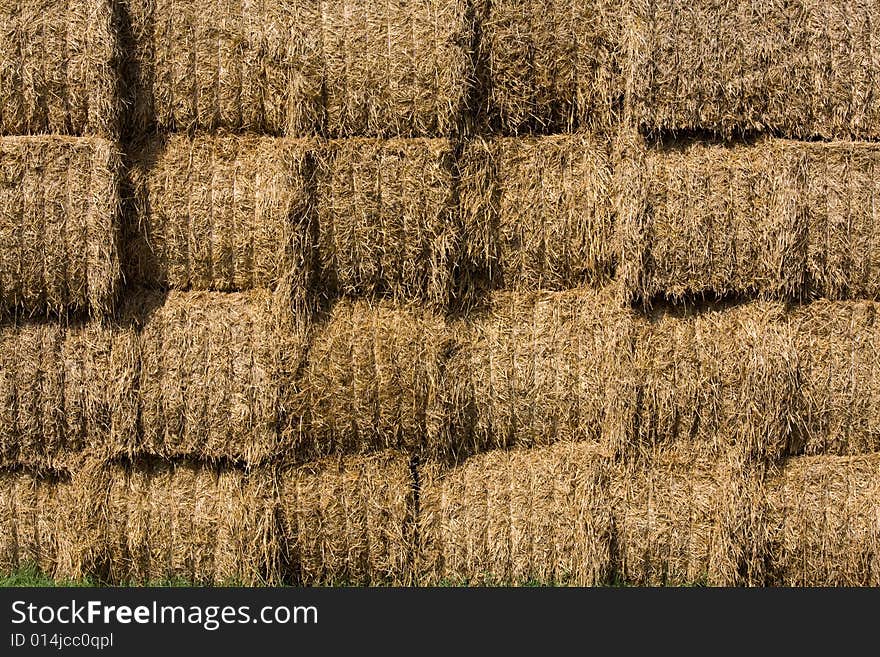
column 208, row 64
column 822, row 522
column 63, row 389
column 840, row 198
column 58, row 68
column 214, row 373
column 395, row 67
column 542, row 367
column 710, row 219
column 155, row 521
column 550, row 66
column 715, row 381
column 347, row 69
column 682, row 520
column 802, row 69
column 539, row 211
column 387, row 218
column 838, row 345
column 59, row 207
column 375, row 379
column 349, row 521
column 37, row 516
column 517, row 516
column 224, row 212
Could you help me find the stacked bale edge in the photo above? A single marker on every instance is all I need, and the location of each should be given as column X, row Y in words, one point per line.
column 387, row 218
column 58, row 64
column 224, row 212
column 801, row 69
column 512, row 517
column 549, row 66
column 375, row 380
column 538, row 211
column 295, row 69
column 349, row 520
column 59, row 216
column 159, row 521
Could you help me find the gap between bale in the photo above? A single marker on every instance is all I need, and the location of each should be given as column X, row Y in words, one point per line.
column 538, row 211
column 518, row 516
column 154, row 521
column 801, row 69
column 59, row 214
column 550, row 66
column 374, row 379
column 58, row 64
column 821, row 522
column 349, row 521
column 387, row 218
column 224, row 212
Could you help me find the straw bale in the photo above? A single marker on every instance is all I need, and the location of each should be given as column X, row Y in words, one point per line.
column 215, row 369
column 801, row 69
column 155, row 521
column 714, row 220
column 224, row 212
column 840, row 195
column 58, row 68
column 718, row 380
column 209, row 64
column 36, row 513
column 822, row 527
column 517, row 516
column 396, row 67
column 375, row 379
column 387, row 218
column 539, row 211
column 349, row 520
column 59, row 212
column 682, row 521
column 551, row 66
column 62, row 392
column 839, row 355
column 542, row 367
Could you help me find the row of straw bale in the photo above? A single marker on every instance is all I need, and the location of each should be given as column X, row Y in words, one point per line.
column 775, row 218
column 153, row 521
column 563, row 514
column 238, row 376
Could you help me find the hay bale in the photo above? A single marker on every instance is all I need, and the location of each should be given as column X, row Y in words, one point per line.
column 822, row 529
column 387, row 218
column 713, row 220
column 840, row 194
column 682, row 521
column 837, row 343
column 209, row 64
column 36, row 514
column 801, row 68
column 155, row 522
column 514, row 517
column 550, row 66
column 539, row 211
column 62, row 392
column 59, row 212
column 375, row 380
column 58, row 68
column 215, row 369
column 349, row 521
column 223, row 212
column 715, row 381
column 538, row 368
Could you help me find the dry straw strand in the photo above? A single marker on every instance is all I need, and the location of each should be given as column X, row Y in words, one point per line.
column 58, row 68
column 349, row 520
column 387, row 218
